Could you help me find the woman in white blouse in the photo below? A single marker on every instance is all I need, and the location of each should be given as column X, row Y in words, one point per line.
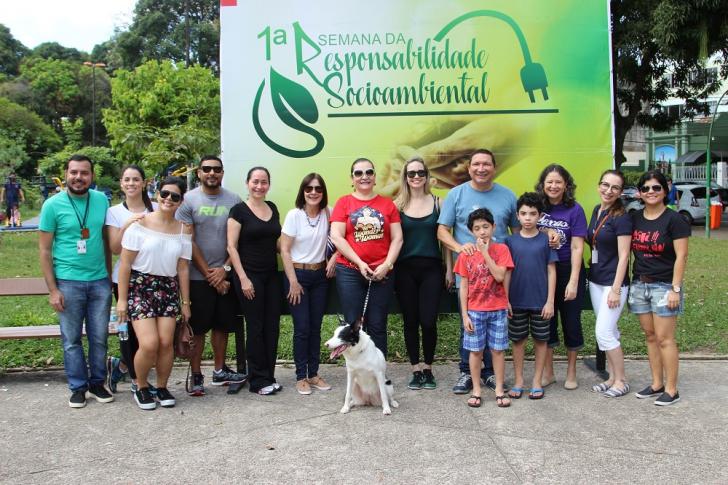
column 154, row 258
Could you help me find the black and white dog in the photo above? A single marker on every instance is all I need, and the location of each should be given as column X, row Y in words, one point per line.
column 366, row 384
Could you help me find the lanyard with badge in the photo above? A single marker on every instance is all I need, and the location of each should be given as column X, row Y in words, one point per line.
column 85, row 234
column 594, row 252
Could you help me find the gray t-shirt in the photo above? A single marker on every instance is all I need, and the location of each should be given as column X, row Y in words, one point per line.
column 209, row 215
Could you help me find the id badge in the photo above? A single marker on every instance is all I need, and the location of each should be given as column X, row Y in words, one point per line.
column 81, row 246
column 595, row 256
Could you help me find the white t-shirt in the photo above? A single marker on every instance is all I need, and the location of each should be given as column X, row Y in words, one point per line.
column 117, row 216
column 309, row 236
column 158, row 252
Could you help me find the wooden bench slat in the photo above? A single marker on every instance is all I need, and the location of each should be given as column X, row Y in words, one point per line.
column 38, row 331
column 23, row 287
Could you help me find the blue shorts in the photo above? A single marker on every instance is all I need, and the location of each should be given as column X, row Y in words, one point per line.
column 652, row 298
column 490, row 327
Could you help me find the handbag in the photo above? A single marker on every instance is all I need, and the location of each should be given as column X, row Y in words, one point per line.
column 183, row 340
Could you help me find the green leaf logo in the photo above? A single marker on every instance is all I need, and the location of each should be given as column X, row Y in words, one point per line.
column 286, row 93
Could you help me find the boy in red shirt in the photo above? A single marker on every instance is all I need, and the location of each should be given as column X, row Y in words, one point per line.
column 484, row 303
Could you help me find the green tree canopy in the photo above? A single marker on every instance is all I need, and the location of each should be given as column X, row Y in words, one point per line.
column 12, row 52
column 54, row 50
column 162, row 114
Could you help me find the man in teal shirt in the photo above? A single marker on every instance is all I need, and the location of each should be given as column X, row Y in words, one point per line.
column 76, row 264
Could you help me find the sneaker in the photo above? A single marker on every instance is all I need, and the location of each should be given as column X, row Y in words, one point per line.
column 78, row 399
column 198, row 385
column 267, row 390
column 318, row 383
column 113, row 373
column 100, row 393
column 463, row 385
column 166, row 399
column 416, row 383
column 649, row 392
column 429, row 380
column 489, row 382
column 303, row 387
column 152, row 389
column 144, row 399
column 666, row 399
column 226, row 376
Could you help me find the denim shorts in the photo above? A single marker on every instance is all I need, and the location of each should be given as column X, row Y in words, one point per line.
column 652, row 298
column 490, row 327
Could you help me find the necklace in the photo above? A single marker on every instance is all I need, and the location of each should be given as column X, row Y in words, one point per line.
column 315, row 222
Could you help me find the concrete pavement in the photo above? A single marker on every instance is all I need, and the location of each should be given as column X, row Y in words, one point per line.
column 568, row 437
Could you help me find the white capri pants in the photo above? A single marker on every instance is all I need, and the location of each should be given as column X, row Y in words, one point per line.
column 606, row 329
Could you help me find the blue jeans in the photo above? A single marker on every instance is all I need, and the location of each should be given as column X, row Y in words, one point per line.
column 85, row 302
column 464, row 364
column 307, row 317
column 352, row 288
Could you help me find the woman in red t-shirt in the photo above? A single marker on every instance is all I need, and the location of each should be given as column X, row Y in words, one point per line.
column 366, row 230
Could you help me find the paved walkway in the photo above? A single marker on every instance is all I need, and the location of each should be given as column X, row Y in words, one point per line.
column 568, row 437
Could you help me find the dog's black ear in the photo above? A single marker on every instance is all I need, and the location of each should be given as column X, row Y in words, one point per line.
column 356, row 326
column 342, row 322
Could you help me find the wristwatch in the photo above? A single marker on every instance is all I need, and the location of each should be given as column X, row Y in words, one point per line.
column 227, row 268
column 676, row 288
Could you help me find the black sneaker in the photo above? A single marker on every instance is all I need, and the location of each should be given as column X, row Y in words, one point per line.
column 416, row 383
column 488, row 382
column 666, row 399
column 166, row 399
column 78, row 399
column 198, row 385
column 463, row 385
column 226, row 376
column 144, row 399
column 649, row 392
column 100, row 393
column 429, row 380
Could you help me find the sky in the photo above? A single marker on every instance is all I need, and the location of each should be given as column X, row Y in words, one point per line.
column 72, row 23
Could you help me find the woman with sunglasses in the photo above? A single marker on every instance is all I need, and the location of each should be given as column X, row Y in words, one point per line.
column 153, row 278
column 660, row 249
column 252, row 242
column 419, row 271
column 609, row 236
column 135, row 206
column 567, row 221
column 366, row 229
column 303, row 252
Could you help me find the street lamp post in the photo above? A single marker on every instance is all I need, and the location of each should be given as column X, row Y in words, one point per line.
column 708, row 171
column 93, row 66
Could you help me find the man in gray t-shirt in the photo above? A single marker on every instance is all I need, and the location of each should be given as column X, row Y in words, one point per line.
column 214, row 305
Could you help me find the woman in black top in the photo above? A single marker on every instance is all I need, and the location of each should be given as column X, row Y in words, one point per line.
column 252, row 241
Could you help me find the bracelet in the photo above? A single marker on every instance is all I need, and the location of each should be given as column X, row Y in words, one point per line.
column 186, row 302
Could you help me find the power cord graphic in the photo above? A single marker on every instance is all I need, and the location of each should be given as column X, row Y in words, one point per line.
column 533, row 77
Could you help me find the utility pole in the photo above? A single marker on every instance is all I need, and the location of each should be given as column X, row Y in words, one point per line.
column 93, row 66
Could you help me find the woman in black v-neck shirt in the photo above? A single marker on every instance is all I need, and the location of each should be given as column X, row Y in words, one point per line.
column 252, row 238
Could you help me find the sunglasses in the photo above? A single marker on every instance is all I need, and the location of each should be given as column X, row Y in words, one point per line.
column 172, row 195
column 310, row 188
column 610, row 188
column 419, row 173
column 210, row 168
column 359, row 173
column 646, row 188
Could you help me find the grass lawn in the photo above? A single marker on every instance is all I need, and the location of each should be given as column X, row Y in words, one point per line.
column 702, row 329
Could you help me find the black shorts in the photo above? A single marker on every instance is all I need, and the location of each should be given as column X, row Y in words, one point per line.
column 523, row 320
column 213, row 310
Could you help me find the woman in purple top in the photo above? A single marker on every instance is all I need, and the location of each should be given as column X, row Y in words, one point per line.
column 609, row 236
column 567, row 222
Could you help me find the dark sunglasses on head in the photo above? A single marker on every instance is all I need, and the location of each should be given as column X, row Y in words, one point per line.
column 310, row 188
column 420, row 173
column 646, row 188
column 172, row 195
column 368, row 172
column 208, row 168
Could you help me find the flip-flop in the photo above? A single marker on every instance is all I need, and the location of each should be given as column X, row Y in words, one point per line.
column 515, row 392
column 545, row 383
column 500, row 400
column 535, row 393
column 476, row 403
column 617, row 392
column 601, row 387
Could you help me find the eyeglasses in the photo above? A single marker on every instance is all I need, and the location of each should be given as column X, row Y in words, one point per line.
column 208, row 168
column 419, row 173
column 359, row 173
column 172, row 195
column 310, row 188
column 610, row 188
column 646, row 188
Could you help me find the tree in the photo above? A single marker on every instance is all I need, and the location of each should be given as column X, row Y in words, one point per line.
column 54, row 86
column 12, row 52
column 54, row 50
column 651, row 38
column 162, row 114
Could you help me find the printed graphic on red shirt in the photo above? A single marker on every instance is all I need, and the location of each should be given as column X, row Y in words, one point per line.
column 368, row 224
column 484, row 292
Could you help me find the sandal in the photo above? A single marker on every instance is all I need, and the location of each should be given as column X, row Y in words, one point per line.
column 515, row 392
column 535, row 393
column 601, row 387
column 548, row 382
column 617, row 392
column 474, row 401
column 503, row 401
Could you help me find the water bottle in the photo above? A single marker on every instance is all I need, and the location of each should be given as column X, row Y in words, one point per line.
column 113, row 317
column 123, row 329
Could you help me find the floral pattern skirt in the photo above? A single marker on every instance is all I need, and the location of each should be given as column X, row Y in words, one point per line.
column 152, row 296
